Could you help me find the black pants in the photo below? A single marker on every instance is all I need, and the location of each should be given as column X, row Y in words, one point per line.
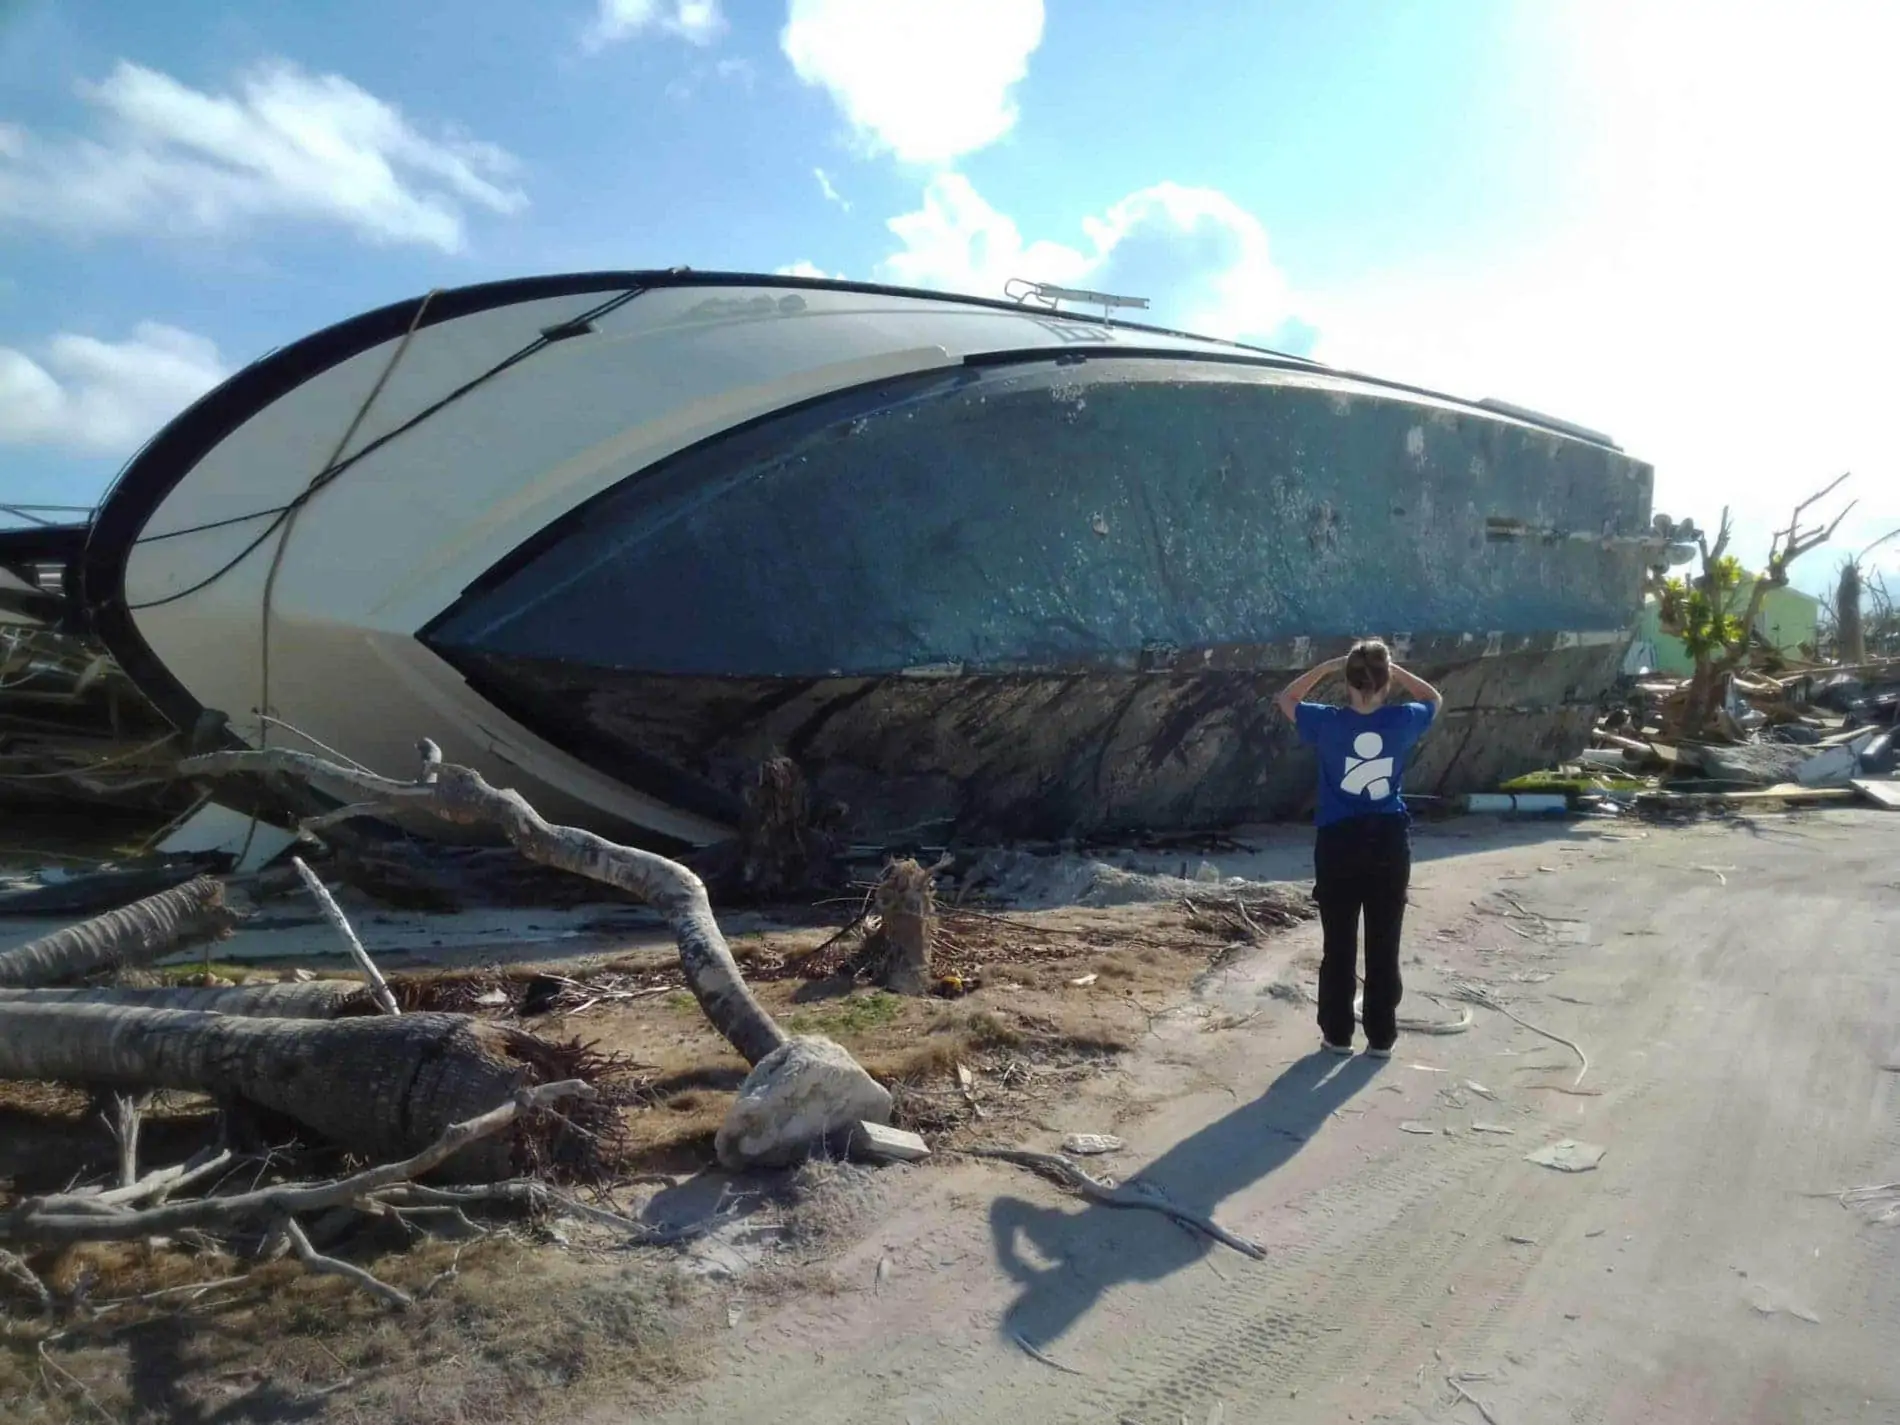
column 1364, row 862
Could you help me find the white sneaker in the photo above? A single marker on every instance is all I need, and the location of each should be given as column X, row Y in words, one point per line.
column 1333, row 1048
column 1372, row 1053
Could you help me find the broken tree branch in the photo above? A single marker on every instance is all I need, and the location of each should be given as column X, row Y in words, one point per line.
column 332, row 912
column 160, row 1185
column 330, row 1266
column 136, row 934
column 60, row 1219
column 127, row 1112
column 461, row 796
column 1477, row 995
column 1456, row 1385
column 19, row 1272
column 1065, row 1173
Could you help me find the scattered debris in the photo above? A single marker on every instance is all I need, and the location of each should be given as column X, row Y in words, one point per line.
column 882, row 1143
column 1047, row 1360
column 1491, row 1128
column 1567, row 1155
column 1885, row 795
column 1424, row 1129
column 1453, row 1382
column 1765, row 1304
column 1477, row 994
column 1087, row 1145
column 1879, row 1202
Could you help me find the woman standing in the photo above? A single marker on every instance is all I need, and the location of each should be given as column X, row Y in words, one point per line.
column 1362, row 852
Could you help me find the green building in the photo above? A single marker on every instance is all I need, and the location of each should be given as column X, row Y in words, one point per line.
column 1788, row 620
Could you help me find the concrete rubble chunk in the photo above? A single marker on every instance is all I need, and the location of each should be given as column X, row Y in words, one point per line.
column 800, row 1094
column 882, row 1143
column 1568, row 1156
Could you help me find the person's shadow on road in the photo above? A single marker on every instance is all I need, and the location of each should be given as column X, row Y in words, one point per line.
column 1101, row 1247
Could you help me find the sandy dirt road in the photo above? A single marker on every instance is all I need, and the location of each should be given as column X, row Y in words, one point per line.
column 1735, row 989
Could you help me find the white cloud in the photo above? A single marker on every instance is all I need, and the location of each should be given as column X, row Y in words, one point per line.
column 1719, row 293
column 104, row 397
column 286, row 144
column 826, row 187
column 1199, row 257
column 697, row 22
column 806, row 268
column 924, row 80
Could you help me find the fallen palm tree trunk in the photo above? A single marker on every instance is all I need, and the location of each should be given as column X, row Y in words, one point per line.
column 461, row 796
column 95, row 892
column 136, row 934
column 801, row 1092
column 381, row 1086
column 312, row 999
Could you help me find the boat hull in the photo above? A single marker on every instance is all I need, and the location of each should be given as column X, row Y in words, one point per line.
column 983, row 570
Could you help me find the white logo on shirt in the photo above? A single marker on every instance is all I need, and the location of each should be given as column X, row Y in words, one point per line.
column 1368, row 774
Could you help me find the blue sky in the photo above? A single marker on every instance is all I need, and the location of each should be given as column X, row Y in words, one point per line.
column 1670, row 220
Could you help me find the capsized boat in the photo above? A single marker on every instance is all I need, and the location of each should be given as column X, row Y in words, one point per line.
column 982, row 568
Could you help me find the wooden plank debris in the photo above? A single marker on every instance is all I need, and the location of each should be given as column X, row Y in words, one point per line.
column 1885, row 795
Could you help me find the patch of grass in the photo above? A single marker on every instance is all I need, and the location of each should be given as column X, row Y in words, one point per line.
column 682, row 1000
column 854, row 1014
column 935, row 1055
column 989, row 1030
column 191, row 972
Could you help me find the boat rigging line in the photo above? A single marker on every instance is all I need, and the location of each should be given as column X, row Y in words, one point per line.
column 547, row 337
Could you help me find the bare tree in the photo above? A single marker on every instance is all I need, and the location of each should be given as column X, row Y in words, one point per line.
column 1882, row 627
column 1850, row 635
column 1850, row 600
column 1710, row 616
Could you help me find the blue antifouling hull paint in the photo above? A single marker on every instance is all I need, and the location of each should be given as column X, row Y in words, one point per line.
column 1054, row 598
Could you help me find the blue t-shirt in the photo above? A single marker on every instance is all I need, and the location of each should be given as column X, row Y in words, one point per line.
column 1361, row 755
